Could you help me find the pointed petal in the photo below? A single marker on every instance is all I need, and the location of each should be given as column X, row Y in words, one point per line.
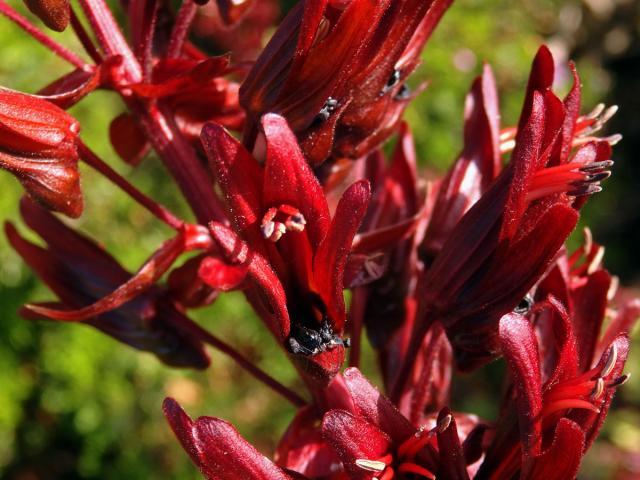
column 520, row 349
column 331, row 258
column 303, row 449
column 353, row 438
column 217, row 448
column 259, row 273
column 376, row 408
column 240, row 178
column 220, row 275
column 452, row 462
column 540, row 80
column 149, row 273
column 289, row 180
column 561, row 460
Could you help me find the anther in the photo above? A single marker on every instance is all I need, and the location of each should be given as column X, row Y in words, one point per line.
column 371, row 465
column 444, row 424
column 595, row 113
column 611, row 361
column 613, row 287
column 277, row 221
column 621, row 380
column 613, row 139
column 598, row 390
column 596, row 166
column 596, row 261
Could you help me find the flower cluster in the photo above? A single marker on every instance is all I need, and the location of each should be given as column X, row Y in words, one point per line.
column 295, row 202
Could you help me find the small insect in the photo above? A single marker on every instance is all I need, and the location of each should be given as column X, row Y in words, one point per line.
column 394, row 79
column 525, row 305
column 325, row 112
column 404, row 93
column 308, row 341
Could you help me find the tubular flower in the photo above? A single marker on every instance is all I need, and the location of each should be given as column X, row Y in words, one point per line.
column 38, row 146
column 505, row 242
column 558, row 418
column 80, row 272
column 375, row 440
column 294, row 253
column 351, row 105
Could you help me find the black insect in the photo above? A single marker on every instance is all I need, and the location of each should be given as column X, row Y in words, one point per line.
column 308, row 341
column 325, row 112
column 403, row 94
column 524, row 306
column 394, row 79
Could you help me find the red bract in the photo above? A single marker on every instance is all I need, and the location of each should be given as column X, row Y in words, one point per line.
column 348, row 106
column 295, row 255
column 38, row 146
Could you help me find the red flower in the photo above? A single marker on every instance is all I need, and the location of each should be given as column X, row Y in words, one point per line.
column 558, row 418
column 294, row 254
column 218, row 449
column 346, row 104
column 374, row 440
column 505, row 242
column 38, row 146
column 80, row 272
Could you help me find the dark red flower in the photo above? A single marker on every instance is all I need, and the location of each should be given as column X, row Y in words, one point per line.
column 294, row 253
column 80, row 273
column 506, row 241
column 218, row 449
column 38, row 146
column 559, row 411
column 375, row 440
column 347, row 104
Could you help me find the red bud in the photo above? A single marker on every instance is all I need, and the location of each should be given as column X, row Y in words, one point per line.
column 54, row 13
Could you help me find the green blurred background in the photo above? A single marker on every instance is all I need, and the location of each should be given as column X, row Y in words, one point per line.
column 76, row 404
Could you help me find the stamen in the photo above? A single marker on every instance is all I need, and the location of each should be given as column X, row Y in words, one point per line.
column 444, row 424
column 596, row 261
column 613, row 287
column 277, row 221
column 575, row 179
column 330, row 106
column 371, row 465
column 598, row 390
column 595, row 113
column 611, row 361
column 588, row 238
column 621, row 380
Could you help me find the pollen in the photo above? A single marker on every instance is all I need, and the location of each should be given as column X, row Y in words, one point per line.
column 278, row 221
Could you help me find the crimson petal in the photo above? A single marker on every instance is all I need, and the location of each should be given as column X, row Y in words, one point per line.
column 217, row 448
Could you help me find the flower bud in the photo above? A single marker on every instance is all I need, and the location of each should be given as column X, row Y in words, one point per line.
column 37, row 145
column 54, row 13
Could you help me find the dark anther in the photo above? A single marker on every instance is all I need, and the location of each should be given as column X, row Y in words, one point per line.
column 404, row 93
column 394, row 79
column 325, row 112
column 524, row 306
column 308, row 341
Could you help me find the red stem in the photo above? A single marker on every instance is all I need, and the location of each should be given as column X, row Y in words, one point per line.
column 159, row 211
column 42, row 38
column 85, row 39
column 110, row 37
column 181, row 160
column 181, row 28
column 258, row 373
